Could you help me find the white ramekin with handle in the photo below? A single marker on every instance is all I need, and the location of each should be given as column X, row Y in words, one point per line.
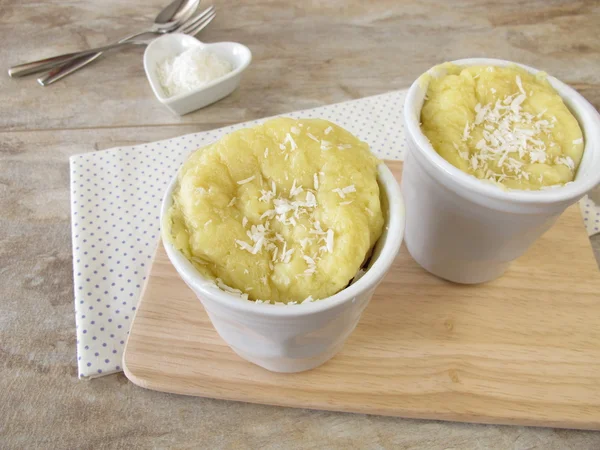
column 293, row 338
column 468, row 231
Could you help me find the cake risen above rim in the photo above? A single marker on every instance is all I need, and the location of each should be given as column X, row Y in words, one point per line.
column 286, row 211
column 502, row 125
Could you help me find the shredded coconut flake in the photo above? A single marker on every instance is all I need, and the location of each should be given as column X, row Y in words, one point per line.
column 244, row 246
column 339, row 192
column 290, row 139
column 316, row 228
column 309, row 260
column 516, row 103
column 466, row 132
column 229, row 289
column 578, row 141
column 346, row 190
column 312, row 265
column 295, row 190
column 266, row 196
column 311, row 200
column 329, row 240
column 287, row 256
column 520, row 85
column 325, row 145
column 247, row 180
column 304, row 242
column 567, row 161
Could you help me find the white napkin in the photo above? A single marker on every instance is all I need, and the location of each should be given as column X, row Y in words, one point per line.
column 115, row 203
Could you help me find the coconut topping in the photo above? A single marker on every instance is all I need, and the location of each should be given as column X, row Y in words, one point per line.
column 343, row 191
column 247, row 180
column 229, row 289
column 287, row 210
column 508, row 131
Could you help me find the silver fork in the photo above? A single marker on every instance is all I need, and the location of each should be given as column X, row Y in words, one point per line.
column 41, row 65
column 192, row 27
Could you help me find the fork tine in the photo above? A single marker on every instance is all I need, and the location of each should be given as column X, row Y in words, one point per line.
column 200, row 26
column 188, row 24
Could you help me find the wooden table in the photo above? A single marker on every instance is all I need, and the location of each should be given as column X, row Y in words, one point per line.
column 306, row 54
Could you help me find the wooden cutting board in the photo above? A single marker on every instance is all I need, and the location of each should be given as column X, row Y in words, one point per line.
column 523, row 349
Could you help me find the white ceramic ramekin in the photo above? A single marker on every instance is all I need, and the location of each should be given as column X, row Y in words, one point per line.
column 465, row 230
column 293, row 338
column 173, row 44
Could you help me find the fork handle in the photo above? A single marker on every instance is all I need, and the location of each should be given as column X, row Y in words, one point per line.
column 68, row 68
column 44, row 64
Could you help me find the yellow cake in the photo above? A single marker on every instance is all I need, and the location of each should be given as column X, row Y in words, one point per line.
column 502, row 124
column 282, row 212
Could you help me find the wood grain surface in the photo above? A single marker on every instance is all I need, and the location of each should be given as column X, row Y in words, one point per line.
column 523, row 349
column 305, row 54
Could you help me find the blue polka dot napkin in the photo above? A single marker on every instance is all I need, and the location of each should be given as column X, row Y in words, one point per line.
column 115, row 203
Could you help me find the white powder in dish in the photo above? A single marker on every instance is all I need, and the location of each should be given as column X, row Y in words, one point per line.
column 190, row 70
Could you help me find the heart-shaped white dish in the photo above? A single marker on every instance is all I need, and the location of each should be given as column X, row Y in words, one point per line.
column 173, row 44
